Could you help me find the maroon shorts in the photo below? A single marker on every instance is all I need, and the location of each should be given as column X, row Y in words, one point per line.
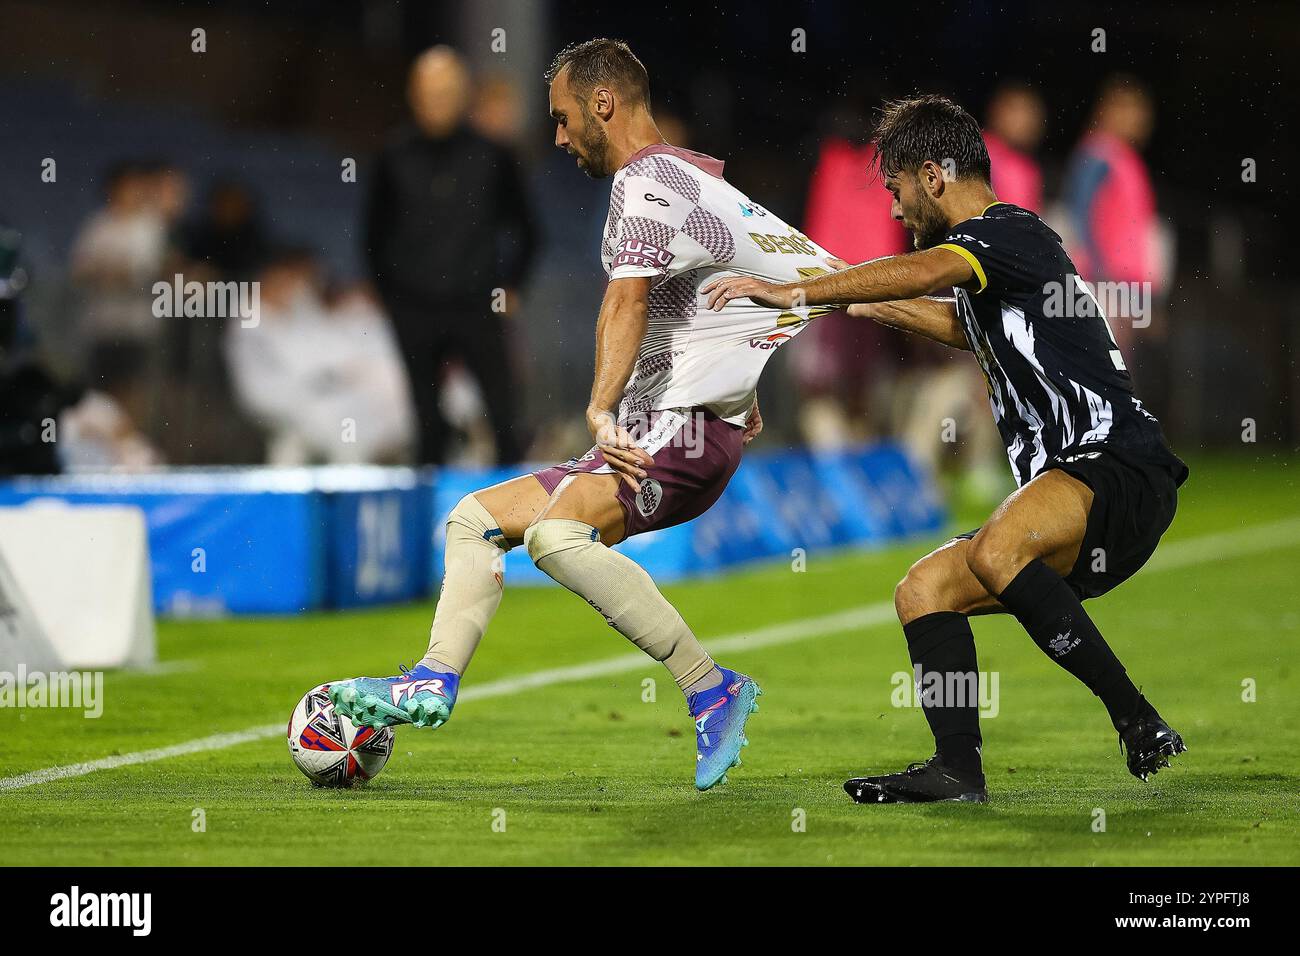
column 695, row 454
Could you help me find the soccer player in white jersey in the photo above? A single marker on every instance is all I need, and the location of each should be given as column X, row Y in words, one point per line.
column 672, row 405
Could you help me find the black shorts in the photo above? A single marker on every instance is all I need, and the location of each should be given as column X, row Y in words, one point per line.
column 1133, row 503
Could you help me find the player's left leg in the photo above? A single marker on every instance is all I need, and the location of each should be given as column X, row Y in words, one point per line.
column 570, row 542
column 1022, row 561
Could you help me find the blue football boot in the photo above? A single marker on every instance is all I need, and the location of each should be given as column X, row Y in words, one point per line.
column 720, row 714
column 421, row 696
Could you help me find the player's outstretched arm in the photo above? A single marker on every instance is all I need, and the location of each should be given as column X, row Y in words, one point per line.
column 932, row 318
column 619, row 331
column 880, row 280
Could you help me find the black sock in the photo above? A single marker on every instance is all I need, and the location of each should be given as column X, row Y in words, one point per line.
column 1054, row 617
column 942, row 643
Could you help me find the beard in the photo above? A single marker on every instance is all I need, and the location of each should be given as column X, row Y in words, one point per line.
column 929, row 225
column 593, row 151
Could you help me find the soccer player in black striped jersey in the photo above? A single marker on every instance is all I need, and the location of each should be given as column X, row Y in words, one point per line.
column 1097, row 481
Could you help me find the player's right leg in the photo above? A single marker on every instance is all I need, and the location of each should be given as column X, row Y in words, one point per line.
column 480, row 530
column 933, row 603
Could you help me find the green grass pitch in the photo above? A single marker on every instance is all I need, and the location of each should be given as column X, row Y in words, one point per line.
column 586, row 772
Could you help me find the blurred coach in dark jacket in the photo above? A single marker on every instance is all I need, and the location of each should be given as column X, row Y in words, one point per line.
column 448, row 225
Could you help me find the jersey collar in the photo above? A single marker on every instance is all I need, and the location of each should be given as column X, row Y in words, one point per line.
column 705, row 163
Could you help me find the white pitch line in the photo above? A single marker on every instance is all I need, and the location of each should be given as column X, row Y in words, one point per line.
column 788, row 633
column 215, row 742
column 1176, row 554
column 1226, row 544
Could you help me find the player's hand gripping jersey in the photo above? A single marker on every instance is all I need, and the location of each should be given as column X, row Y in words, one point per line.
column 674, row 218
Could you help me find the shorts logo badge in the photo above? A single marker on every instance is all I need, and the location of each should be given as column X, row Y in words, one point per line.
column 649, row 497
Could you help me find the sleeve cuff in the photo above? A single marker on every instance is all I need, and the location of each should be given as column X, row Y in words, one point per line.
column 636, row 272
column 970, row 258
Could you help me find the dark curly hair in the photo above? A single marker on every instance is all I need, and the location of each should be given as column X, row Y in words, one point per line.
column 929, row 127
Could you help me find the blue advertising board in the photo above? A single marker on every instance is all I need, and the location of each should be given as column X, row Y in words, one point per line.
column 223, row 543
column 284, row 541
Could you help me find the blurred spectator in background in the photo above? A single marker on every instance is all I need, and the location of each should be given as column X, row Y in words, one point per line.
column 1017, row 121
column 1110, row 199
column 228, row 236
column 30, row 399
column 168, row 189
column 372, row 377
column 497, row 113
column 118, row 252
column 942, row 416
column 99, row 432
column 841, row 359
column 324, row 378
column 450, row 237
column 224, row 241
column 124, row 241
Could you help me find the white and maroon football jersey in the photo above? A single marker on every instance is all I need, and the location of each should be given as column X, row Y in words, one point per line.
column 674, row 218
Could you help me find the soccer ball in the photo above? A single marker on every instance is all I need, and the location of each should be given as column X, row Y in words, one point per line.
column 330, row 749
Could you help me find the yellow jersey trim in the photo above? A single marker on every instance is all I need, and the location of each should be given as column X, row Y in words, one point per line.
column 970, row 258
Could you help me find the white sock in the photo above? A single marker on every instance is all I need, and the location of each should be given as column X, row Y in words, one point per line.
column 471, row 586
column 620, row 589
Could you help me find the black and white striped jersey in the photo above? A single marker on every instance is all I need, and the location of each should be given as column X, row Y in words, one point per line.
column 1056, row 379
